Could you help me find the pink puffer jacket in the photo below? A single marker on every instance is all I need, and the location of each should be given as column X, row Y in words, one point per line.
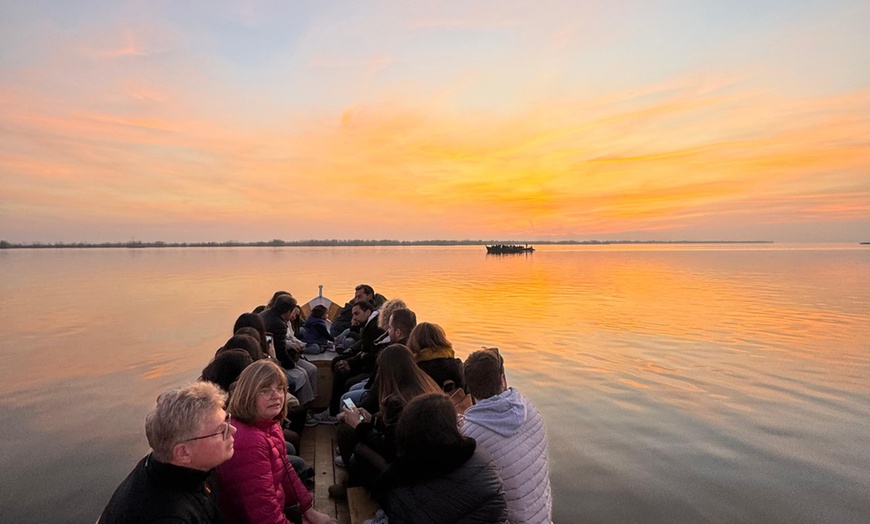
column 259, row 481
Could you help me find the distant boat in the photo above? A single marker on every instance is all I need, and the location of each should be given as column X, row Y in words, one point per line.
column 508, row 249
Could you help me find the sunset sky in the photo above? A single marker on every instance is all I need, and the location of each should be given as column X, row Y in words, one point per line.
column 544, row 120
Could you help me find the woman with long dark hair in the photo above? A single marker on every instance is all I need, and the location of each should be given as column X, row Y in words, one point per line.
column 439, row 476
column 365, row 441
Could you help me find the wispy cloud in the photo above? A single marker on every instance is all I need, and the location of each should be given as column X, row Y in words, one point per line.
column 150, row 124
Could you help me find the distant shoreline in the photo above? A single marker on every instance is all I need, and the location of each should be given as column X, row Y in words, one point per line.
column 135, row 244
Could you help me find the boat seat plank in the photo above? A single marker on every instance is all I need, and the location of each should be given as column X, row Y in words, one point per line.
column 324, row 470
column 317, row 447
column 361, row 505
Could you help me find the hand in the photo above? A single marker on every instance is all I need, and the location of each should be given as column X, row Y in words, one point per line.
column 313, row 516
column 343, row 366
column 351, row 416
column 367, row 417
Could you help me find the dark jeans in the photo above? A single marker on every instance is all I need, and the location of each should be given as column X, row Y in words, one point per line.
column 341, row 382
column 364, row 464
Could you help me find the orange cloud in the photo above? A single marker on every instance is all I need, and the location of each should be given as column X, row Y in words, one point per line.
column 653, row 160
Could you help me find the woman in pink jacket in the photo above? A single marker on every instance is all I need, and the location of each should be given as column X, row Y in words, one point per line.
column 258, row 485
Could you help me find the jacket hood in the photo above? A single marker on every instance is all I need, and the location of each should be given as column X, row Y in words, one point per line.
column 503, row 414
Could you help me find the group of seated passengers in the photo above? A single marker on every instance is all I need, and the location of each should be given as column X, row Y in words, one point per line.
column 404, row 435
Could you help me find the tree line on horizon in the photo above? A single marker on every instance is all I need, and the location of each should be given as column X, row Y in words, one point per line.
column 350, row 243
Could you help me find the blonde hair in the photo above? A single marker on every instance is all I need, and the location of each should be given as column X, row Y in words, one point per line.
column 427, row 336
column 179, row 415
column 256, row 377
column 387, row 309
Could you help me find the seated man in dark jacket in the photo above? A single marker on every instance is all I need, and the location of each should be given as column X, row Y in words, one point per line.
column 189, row 434
column 362, row 292
column 358, row 363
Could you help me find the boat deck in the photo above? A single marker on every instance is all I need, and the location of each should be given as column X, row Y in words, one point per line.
column 318, row 449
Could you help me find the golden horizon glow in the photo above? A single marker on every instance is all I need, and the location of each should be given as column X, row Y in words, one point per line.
column 158, row 142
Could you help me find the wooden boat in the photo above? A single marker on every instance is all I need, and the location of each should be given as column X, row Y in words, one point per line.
column 319, row 442
column 508, row 249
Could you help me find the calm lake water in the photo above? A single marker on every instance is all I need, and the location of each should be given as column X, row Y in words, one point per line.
column 705, row 383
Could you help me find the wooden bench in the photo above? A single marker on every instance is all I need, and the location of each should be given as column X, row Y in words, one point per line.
column 360, row 505
column 324, row 379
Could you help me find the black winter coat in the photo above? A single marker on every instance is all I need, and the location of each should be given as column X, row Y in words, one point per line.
column 443, row 369
column 156, row 492
column 460, row 485
column 273, row 323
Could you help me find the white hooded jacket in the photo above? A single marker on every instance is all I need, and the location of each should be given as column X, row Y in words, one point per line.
column 512, row 430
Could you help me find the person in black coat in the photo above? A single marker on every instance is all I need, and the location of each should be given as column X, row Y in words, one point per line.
column 439, row 476
column 435, row 356
column 275, row 321
column 189, row 434
column 357, row 364
column 362, row 292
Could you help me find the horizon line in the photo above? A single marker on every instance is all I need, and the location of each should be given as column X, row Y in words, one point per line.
column 352, row 243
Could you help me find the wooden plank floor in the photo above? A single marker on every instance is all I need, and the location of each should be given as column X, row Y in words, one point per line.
column 318, row 443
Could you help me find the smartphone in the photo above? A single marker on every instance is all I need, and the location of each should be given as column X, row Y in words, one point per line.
column 268, row 338
column 350, row 405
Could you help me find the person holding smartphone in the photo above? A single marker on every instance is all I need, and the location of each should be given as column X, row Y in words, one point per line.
column 370, row 439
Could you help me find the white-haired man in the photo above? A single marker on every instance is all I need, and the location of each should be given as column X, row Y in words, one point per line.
column 189, row 434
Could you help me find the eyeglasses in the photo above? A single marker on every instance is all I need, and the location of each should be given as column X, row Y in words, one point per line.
column 268, row 392
column 224, row 432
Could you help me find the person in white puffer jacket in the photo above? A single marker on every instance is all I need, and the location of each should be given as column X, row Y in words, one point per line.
column 511, row 429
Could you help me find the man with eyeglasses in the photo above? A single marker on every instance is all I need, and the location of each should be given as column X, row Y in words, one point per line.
column 190, row 434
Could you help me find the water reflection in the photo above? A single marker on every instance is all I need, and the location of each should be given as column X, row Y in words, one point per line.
column 679, row 383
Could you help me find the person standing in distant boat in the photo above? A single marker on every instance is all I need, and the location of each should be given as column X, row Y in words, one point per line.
column 511, row 429
column 190, row 434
